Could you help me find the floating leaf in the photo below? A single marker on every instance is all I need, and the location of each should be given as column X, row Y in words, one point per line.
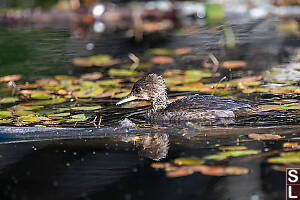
column 91, row 92
column 224, row 155
column 263, row 108
column 198, row 73
column 285, row 101
column 91, row 76
column 23, row 113
column 63, row 109
column 48, row 102
column 78, row 118
column 264, row 136
column 294, row 145
column 252, row 90
column 60, row 115
column 188, row 161
column 234, row 64
column 5, row 121
column 207, row 170
column 108, row 82
column 162, row 60
column 286, row 158
column 10, row 78
column 41, row 95
column 8, row 100
column 66, row 78
column 233, row 148
column 87, row 108
column 5, row 114
column 32, row 119
column 160, row 51
column 181, row 51
column 122, row 72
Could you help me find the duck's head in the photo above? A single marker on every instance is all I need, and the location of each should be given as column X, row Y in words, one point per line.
column 151, row 87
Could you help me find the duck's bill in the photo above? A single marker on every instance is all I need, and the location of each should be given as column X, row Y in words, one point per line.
column 127, row 99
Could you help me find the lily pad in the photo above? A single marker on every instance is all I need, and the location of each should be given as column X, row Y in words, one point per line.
column 188, row 161
column 232, row 148
column 122, row 72
column 5, row 114
column 48, row 102
column 160, row 51
column 32, row 119
column 78, row 118
column 87, row 108
column 264, row 136
column 40, row 95
column 5, row 121
column 108, row 82
column 224, row 155
column 60, row 115
column 8, row 100
column 286, row 158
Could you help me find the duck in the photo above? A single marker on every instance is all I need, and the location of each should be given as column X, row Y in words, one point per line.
column 197, row 107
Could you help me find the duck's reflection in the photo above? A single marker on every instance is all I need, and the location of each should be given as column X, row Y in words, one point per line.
column 154, row 146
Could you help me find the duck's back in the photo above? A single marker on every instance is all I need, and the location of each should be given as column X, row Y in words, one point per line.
column 201, row 107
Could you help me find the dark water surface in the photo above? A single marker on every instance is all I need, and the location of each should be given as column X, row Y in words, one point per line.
column 106, row 163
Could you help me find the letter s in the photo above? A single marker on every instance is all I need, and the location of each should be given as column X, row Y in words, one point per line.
column 293, row 177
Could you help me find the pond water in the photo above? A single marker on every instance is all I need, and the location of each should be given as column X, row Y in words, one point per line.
column 95, row 156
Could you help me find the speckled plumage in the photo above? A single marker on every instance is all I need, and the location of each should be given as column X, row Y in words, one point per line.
column 189, row 108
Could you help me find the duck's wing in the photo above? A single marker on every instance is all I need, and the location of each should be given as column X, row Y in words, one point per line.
column 206, row 102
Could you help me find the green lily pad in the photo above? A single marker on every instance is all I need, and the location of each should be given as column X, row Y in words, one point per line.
column 78, row 118
column 48, row 102
column 8, row 100
column 60, row 115
column 122, row 72
column 64, row 109
column 5, row 114
column 23, row 112
column 108, row 82
column 197, row 73
column 41, row 95
column 226, row 154
column 160, row 51
column 100, row 59
column 286, row 158
column 188, row 161
column 87, row 108
column 85, row 93
column 5, row 121
column 32, row 119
